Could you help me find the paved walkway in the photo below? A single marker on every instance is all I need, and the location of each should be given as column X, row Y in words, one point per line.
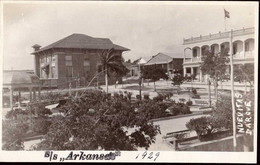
column 166, row 126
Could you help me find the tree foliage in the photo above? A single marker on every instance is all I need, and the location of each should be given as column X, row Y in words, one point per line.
column 204, row 125
column 215, row 64
column 154, row 72
column 13, row 134
column 244, row 73
column 178, row 79
column 112, row 62
column 95, row 121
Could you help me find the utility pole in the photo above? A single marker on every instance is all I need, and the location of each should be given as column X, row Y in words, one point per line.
column 232, row 93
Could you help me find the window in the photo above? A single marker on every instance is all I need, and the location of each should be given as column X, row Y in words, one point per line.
column 48, row 58
column 194, row 52
column 68, row 60
column 86, row 57
column 69, row 71
column 53, row 72
column 234, row 48
column 247, row 46
column 86, row 64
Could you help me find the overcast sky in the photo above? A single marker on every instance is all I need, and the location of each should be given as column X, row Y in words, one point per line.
column 144, row 27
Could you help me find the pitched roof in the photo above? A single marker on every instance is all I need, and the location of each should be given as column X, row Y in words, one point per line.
column 83, row 41
column 160, row 58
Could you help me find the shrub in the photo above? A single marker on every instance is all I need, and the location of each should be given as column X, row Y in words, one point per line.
column 41, row 125
column 158, row 98
column 195, row 96
column 138, row 97
column 189, row 103
column 12, row 114
column 182, row 100
column 12, row 135
column 223, row 112
column 179, row 108
column 194, row 91
column 204, row 126
column 146, row 96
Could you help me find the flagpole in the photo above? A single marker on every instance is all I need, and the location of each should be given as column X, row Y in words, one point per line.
column 225, row 23
column 232, row 92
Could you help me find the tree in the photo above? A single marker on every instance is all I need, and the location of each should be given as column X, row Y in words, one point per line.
column 95, row 120
column 111, row 63
column 13, row 134
column 177, row 80
column 203, row 126
column 215, row 66
column 154, row 72
column 244, row 73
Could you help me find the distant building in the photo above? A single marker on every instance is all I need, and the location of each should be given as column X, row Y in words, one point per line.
column 243, row 45
column 72, row 58
column 170, row 64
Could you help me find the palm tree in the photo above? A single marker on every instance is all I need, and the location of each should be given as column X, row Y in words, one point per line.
column 112, row 63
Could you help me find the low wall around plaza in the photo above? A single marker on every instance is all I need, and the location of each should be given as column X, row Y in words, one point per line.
column 225, row 145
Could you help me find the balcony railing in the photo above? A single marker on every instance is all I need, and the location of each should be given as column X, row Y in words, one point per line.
column 219, row 35
column 238, row 55
column 191, row 60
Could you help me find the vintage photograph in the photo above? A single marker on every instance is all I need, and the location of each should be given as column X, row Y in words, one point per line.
column 129, row 76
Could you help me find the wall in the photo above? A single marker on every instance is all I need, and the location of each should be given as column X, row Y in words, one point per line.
column 225, row 144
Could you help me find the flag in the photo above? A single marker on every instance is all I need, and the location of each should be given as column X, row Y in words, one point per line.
column 226, row 14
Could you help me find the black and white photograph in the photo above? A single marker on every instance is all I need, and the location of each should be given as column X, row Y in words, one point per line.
column 129, row 81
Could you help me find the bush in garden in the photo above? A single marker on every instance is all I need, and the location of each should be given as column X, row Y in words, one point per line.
column 12, row 114
column 146, row 96
column 41, row 125
column 194, row 91
column 154, row 109
column 182, row 100
column 102, row 129
column 169, row 95
column 204, row 126
column 13, row 134
column 189, row 102
column 138, row 97
column 179, row 109
column 195, row 96
column 223, row 112
column 129, row 95
column 158, row 98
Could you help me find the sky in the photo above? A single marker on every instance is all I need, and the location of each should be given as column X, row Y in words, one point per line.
column 146, row 28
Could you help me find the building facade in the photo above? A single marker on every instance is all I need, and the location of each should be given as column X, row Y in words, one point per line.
column 241, row 41
column 171, row 65
column 73, row 60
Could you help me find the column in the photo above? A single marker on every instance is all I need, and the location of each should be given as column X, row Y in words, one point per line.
column 200, row 53
column 19, row 98
column 243, row 49
column 30, row 92
column 200, row 74
column 184, row 71
column 11, row 98
column 39, row 94
column 191, row 70
column 34, row 95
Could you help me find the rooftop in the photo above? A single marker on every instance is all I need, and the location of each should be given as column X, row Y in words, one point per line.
column 19, row 77
column 83, row 41
column 160, row 58
column 219, row 35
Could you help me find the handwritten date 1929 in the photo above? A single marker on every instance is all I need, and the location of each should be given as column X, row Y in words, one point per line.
column 147, row 155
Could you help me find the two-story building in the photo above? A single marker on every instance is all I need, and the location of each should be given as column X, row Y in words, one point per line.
column 241, row 41
column 75, row 57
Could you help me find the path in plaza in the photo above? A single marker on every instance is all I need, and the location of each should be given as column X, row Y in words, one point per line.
column 166, row 126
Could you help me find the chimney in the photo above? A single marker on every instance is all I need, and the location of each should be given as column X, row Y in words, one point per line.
column 36, row 47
